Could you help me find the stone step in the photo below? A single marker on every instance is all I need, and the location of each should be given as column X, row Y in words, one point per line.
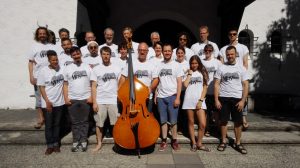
column 250, row 137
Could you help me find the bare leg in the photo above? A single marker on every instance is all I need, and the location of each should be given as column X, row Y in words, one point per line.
column 164, row 130
column 99, row 135
column 190, row 114
column 238, row 132
column 223, row 131
column 202, row 124
column 174, row 131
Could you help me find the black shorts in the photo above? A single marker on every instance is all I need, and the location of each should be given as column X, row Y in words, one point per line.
column 210, row 104
column 229, row 108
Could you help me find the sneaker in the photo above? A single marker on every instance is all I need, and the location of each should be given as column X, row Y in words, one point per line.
column 163, row 146
column 56, row 149
column 175, row 145
column 75, row 147
column 83, row 146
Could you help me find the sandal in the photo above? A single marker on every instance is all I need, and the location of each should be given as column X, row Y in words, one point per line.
column 203, row 148
column 240, row 148
column 207, row 134
column 222, row 146
column 39, row 125
column 194, row 148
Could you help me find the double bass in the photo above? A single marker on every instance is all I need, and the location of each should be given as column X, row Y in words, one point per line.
column 136, row 127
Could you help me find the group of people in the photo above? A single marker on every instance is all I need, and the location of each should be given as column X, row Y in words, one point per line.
column 201, row 82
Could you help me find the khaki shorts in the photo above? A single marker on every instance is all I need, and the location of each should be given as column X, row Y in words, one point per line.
column 103, row 110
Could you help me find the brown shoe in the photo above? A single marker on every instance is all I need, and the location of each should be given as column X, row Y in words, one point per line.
column 56, row 149
column 49, row 151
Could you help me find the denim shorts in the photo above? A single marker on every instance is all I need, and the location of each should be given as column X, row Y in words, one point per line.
column 167, row 111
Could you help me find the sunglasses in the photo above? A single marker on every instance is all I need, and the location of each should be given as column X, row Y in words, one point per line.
column 232, row 34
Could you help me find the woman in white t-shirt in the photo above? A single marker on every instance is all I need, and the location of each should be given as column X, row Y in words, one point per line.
column 196, row 87
column 50, row 81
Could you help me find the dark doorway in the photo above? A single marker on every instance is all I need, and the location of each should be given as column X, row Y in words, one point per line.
column 167, row 29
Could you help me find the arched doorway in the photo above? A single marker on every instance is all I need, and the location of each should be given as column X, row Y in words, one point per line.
column 168, row 30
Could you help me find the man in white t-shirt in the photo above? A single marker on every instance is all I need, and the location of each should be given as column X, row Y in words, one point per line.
column 230, row 93
column 63, row 34
column 109, row 37
column 169, row 79
column 241, row 58
column 198, row 47
column 93, row 58
column 50, row 82
column 65, row 56
column 154, row 37
column 37, row 57
column 183, row 41
column 89, row 36
column 78, row 79
column 106, row 93
column 127, row 36
column 143, row 70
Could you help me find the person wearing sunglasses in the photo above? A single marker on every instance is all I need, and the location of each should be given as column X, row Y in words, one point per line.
column 241, row 58
column 183, row 41
column 93, row 59
column 211, row 64
column 198, row 47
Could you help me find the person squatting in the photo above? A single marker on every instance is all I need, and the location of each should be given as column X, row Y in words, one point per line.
column 201, row 84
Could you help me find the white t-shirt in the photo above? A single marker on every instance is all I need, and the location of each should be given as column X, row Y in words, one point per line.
column 79, row 79
column 38, row 54
column 184, row 66
column 120, row 63
column 151, row 53
column 58, row 47
column 188, row 53
column 64, row 59
column 84, row 51
column 53, row 81
column 198, row 49
column 134, row 50
column 211, row 66
column 113, row 47
column 107, row 83
column 168, row 74
column 156, row 61
column 231, row 77
column 193, row 92
column 241, row 49
column 92, row 61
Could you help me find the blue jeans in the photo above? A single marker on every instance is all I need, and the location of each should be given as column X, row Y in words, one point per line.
column 52, row 126
column 167, row 111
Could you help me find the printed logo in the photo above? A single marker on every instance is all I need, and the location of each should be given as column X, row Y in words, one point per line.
column 141, row 73
column 107, row 77
column 211, row 69
column 57, row 79
column 230, row 76
column 165, row 72
column 43, row 53
column 195, row 80
column 79, row 74
column 68, row 63
column 201, row 52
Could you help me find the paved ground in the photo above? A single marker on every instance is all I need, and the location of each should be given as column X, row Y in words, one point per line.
column 271, row 141
column 275, row 156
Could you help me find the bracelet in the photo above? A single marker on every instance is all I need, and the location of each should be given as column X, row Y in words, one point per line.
column 200, row 100
column 189, row 74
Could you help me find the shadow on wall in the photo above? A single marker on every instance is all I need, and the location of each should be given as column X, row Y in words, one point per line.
column 277, row 81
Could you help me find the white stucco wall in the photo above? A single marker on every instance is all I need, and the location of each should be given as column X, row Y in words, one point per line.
column 18, row 22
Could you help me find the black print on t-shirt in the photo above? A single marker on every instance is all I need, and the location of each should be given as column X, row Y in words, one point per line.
column 211, row 69
column 195, row 80
column 165, row 72
column 141, row 73
column 230, row 76
column 79, row 74
column 57, row 79
column 108, row 76
column 43, row 53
